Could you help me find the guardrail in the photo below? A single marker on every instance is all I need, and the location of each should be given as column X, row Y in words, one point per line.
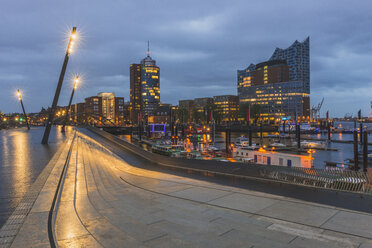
column 334, row 179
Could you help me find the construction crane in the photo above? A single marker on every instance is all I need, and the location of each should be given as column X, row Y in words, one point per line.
column 315, row 110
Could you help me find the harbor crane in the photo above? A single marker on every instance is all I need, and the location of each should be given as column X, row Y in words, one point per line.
column 315, row 110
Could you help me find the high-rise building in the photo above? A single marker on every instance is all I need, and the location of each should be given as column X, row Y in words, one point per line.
column 150, row 87
column 281, row 85
column 135, row 92
column 144, row 88
column 227, row 108
column 298, row 59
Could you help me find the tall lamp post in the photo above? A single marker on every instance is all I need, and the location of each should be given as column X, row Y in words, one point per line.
column 76, row 81
column 23, row 108
column 59, row 86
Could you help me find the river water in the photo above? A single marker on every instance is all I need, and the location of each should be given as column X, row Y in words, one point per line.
column 22, row 158
column 345, row 151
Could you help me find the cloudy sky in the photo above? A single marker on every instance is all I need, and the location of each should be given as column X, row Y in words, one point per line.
column 198, row 46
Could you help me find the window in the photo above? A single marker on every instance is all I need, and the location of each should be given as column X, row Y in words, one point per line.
column 289, row 163
column 281, row 161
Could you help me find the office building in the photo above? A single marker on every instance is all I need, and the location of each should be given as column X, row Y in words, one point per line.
column 227, row 108
column 281, row 85
column 108, row 105
column 187, row 105
column 93, row 109
column 135, row 92
column 150, row 86
column 144, row 88
column 119, row 111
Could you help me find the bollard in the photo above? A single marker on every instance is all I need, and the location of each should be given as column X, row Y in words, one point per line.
column 298, row 127
column 356, row 166
column 250, row 135
column 365, row 151
column 329, row 131
column 361, row 133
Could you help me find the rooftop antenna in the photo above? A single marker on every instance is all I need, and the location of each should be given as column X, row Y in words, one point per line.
column 148, row 48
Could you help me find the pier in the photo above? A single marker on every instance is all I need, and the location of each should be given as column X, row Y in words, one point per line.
column 96, row 193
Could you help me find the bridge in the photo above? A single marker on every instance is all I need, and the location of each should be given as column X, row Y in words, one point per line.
column 99, row 191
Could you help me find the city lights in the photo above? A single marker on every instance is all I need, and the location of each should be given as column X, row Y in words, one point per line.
column 72, row 41
column 19, row 95
column 76, row 82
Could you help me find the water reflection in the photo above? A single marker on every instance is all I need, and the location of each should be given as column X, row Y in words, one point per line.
column 22, row 158
column 21, row 178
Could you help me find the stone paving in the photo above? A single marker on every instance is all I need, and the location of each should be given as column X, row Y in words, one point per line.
column 106, row 202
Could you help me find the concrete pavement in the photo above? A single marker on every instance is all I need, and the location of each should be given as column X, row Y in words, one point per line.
column 106, row 202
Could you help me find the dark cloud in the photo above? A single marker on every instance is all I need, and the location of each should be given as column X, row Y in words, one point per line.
column 198, row 45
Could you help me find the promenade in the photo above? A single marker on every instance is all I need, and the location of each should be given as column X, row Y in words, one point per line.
column 105, row 201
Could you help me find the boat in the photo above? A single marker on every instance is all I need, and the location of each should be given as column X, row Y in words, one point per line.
column 277, row 144
column 167, row 150
column 243, row 142
column 311, row 144
column 266, row 157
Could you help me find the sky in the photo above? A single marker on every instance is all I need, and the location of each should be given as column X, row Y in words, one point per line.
column 198, row 45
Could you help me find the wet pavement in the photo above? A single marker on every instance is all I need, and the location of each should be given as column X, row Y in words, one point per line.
column 22, row 158
column 108, row 202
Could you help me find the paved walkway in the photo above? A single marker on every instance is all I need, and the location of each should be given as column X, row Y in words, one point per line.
column 106, row 202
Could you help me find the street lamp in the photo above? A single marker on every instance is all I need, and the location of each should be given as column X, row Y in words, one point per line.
column 76, row 81
column 23, row 108
column 59, row 86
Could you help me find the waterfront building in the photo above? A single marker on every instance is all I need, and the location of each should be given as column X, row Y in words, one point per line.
column 281, row 85
column 127, row 113
column 298, row 60
column 119, row 111
column 108, row 105
column 144, row 88
column 200, row 104
column 78, row 113
column 135, row 92
column 93, row 108
column 150, row 86
column 227, row 108
column 161, row 115
column 187, row 105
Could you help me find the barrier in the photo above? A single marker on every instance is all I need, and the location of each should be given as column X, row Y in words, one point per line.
column 334, row 179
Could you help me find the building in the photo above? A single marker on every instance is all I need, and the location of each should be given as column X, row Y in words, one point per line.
column 119, row 111
column 93, row 109
column 227, row 108
column 162, row 115
column 150, row 86
column 135, row 92
column 188, row 105
column 127, row 113
column 108, row 105
column 200, row 104
column 298, row 60
column 281, row 85
column 78, row 113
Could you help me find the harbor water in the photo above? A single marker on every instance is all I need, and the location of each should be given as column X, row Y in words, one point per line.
column 22, row 158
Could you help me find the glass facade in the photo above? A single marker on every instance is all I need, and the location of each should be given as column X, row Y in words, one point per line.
column 150, row 84
column 108, row 105
column 279, row 99
column 298, row 59
column 227, row 107
column 281, row 85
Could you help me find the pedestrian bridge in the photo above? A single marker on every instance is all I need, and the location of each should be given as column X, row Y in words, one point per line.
column 99, row 195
